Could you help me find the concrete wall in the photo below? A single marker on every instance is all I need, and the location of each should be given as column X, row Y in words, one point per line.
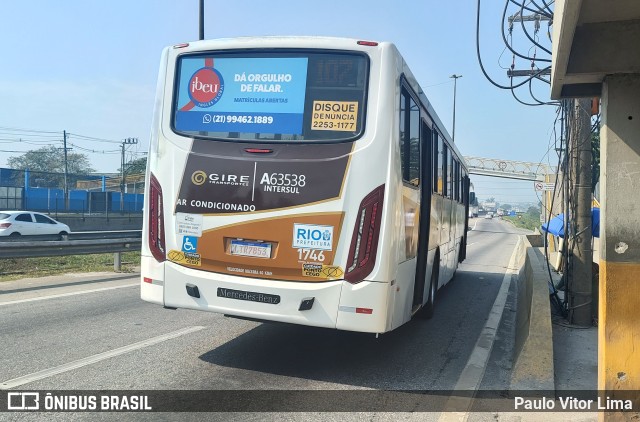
column 618, row 320
column 533, row 351
column 93, row 223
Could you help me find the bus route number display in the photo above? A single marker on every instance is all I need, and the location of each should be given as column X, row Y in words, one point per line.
column 335, row 115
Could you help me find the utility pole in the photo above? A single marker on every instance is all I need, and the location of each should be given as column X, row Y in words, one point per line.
column 128, row 141
column 455, row 80
column 580, row 275
column 66, row 171
column 201, row 20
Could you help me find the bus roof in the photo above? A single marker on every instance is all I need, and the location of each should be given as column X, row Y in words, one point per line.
column 322, row 42
column 283, row 42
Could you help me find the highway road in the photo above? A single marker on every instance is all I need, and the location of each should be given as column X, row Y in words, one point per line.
column 92, row 332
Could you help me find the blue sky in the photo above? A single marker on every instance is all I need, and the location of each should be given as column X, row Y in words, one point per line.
column 90, row 68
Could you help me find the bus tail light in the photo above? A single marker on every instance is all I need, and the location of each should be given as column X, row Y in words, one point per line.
column 156, row 221
column 364, row 242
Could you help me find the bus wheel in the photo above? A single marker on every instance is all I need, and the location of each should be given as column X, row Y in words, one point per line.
column 426, row 312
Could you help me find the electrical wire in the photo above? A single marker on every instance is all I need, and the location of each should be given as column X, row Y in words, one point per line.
column 571, row 204
column 553, row 295
column 526, row 33
column 513, row 93
column 539, row 10
column 548, row 8
column 14, row 129
column 480, row 59
column 90, row 138
column 553, row 103
column 504, row 37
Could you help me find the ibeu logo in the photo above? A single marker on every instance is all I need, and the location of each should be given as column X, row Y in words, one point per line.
column 205, row 87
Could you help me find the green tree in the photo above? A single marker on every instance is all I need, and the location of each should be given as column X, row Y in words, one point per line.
column 534, row 212
column 46, row 165
column 506, row 207
column 136, row 166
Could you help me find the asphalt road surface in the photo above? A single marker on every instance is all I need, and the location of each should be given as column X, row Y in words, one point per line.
column 93, row 332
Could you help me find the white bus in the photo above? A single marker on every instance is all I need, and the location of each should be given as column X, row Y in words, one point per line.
column 304, row 180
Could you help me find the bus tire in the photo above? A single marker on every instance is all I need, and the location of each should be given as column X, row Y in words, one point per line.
column 427, row 310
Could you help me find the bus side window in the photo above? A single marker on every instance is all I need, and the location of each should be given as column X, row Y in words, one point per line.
column 456, row 180
column 426, row 135
column 442, row 155
column 464, row 195
column 404, row 128
column 409, row 139
column 445, row 170
column 434, row 162
column 450, row 175
column 414, row 143
column 461, row 200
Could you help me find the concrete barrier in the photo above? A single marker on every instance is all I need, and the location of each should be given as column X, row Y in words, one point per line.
column 533, row 351
column 92, row 223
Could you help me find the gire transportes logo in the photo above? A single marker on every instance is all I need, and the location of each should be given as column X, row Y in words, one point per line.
column 198, row 177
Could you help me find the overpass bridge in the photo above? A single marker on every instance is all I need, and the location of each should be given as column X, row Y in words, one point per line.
column 508, row 169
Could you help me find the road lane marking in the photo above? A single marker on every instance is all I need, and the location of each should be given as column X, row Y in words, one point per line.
column 473, row 371
column 35, row 299
column 46, row 373
column 73, row 283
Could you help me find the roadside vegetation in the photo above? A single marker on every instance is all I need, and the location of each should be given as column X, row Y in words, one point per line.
column 16, row 268
column 530, row 220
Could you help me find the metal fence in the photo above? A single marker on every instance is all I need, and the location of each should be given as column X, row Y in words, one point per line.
column 88, row 194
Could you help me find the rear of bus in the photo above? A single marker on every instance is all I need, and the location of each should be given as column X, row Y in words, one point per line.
column 266, row 184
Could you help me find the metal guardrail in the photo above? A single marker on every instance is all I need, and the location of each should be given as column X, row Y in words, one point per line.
column 78, row 243
column 32, row 249
column 94, row 235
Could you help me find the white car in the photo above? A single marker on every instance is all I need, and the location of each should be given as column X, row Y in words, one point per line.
column 16, row 223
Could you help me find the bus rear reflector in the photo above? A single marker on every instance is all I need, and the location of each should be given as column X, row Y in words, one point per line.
column 364, row 242
column 258, row 150
column 156, row 221
column 367, row 311
column 147, row 280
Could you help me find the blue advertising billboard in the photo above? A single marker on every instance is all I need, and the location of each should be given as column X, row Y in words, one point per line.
column 251, row 95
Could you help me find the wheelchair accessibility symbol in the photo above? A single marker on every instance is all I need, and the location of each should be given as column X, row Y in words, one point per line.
column 189, row 244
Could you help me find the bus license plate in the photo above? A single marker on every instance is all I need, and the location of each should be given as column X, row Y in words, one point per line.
column 253, row 249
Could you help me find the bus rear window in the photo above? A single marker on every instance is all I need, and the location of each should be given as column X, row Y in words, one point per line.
column 286, row 96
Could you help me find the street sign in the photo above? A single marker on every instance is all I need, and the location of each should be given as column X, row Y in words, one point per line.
column 539, row 186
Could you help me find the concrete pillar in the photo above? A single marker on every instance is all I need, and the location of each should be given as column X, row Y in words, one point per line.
column 619, row 315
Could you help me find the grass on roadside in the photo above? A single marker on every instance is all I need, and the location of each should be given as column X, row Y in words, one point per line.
column 524, row 221
column 15, row 268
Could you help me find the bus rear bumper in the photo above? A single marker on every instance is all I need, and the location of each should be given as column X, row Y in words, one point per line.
column 239, row 296
column 336, row 304
column 151, row 280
